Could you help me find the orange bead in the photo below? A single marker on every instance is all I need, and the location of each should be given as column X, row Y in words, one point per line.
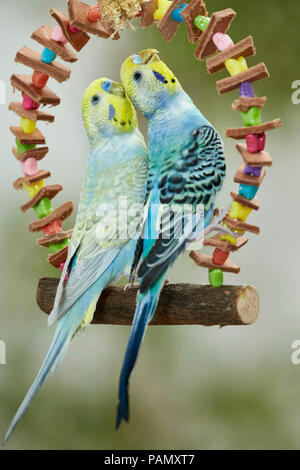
column 55, row 226
column 94, row 14
column 39, row 79
column 220, row 257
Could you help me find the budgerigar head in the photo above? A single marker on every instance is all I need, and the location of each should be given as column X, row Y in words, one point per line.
column 148, row 82
column 107, row 110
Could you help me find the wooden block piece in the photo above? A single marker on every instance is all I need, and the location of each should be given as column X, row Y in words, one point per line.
column 253, row 203
column 239, row 225
column 28, row 139
column 189, row 13
column 244, row 48
column 219, row 23
column 242, row 132
column 38, row 153
column 33, row 114
column 44, row 96
column 205, row 261
column 41, row 175
column 62, row 212
column 58, row 258
column 248, row 180
column 148, row 9
column 46, row 191
column 167, row 26
column 43, row 36
column 254, row 159
column 31, row 58
column 77, row 40
column 57, row 237
column 78, row 12
column 258, row 72
column 244, row 104
column 225, row 245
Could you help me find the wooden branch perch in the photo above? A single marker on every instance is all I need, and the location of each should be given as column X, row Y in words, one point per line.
column 180, row 304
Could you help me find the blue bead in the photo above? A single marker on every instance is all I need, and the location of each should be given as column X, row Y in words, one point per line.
column 48, row 56
column 176, row 14
column 248, row 192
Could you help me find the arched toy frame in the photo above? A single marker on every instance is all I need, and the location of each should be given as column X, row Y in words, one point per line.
column 181, row 303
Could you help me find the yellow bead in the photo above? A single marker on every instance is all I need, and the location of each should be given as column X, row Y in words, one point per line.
column 33, row 188
column 27, row 125
column 235, row 66
column 163, row 6
column 240, row 212
column 230, row 238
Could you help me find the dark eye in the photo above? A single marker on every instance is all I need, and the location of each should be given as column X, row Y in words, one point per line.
column 95, row 100
column 137, row 76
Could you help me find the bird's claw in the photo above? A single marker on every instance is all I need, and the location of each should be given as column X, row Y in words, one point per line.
column 131, row 285
column 217, row 225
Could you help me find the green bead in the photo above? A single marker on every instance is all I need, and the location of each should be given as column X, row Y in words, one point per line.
column 21, row 147
column 215, row 277
column 201, row 22
column 252, row 117
column 43, row 207
column 55, row 247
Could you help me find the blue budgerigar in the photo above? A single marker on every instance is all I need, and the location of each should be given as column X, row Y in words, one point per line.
column 186, row 167
column 104, row 238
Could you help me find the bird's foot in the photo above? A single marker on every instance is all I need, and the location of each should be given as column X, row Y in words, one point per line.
column 217, row 224
column 132, row 285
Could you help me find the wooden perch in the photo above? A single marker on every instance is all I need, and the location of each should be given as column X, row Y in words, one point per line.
column 180, row 304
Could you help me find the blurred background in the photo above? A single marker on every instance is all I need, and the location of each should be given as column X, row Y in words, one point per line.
column 193, row 387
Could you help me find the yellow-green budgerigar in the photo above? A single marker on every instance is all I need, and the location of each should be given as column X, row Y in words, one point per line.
column 186, row 168
column 104, row 238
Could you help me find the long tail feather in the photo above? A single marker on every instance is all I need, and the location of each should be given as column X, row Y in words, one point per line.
column 143, row 314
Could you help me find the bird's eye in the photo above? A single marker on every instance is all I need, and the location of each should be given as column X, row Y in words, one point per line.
column 95, row 100
column 137, row 76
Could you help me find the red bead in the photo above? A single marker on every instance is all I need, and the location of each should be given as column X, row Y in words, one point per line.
column 252, row 143
column 220, row 257
column 261, row 138
column 94, row 14
column 39, row 79
column 53, row 227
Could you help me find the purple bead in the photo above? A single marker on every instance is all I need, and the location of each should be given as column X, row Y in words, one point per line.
column 252, row 170
column 246, row 89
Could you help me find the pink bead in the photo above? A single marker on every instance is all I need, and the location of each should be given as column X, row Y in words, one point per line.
column 29, row 167
column 222, row 41
column 28, row 103
column 62, row 268
column 58, row 36
column 73, row 29
column 261, row 141
column 252, row 143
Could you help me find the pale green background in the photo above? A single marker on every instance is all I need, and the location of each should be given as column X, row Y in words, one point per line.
column 193, row 387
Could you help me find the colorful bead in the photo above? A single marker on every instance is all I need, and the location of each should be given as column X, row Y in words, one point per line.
column 240, row 212
column 246, row 89
column 28, row 103
column 39, row 79
column 43, row 207
column 29, row 167
column 57, row 35
column 94, row 14
column 220, row 257
column 22, row 148
column 255, row 143
column 53, row 227
column 236, row 66
column 48, row 56
column 231, row 238
column 27, row 125
column 73, row 29
column 68, row 270
column 252, row 170
column 222, row 41
column 201, row 22
column 176, row 14
column 215, row 277
column 252, row 117
column 55, row 247
column 248, row 191
column 162, row 8
column 33, row 188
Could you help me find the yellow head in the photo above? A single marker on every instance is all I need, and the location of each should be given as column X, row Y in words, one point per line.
column 107, row 110
column 148, row 82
